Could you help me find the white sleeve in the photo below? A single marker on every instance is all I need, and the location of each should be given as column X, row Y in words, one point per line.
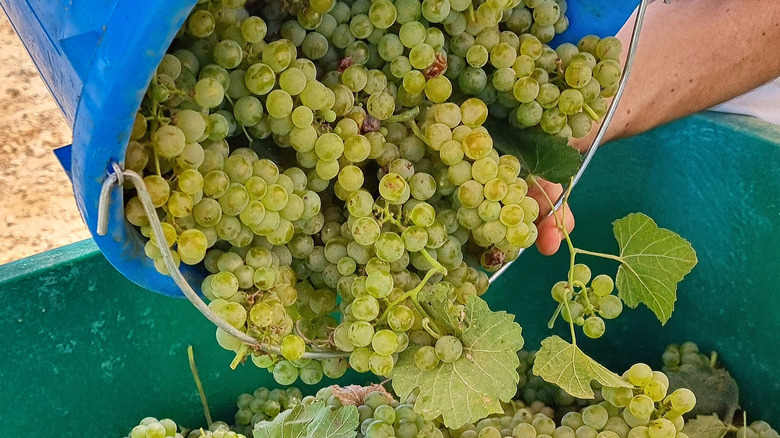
column 762, row 102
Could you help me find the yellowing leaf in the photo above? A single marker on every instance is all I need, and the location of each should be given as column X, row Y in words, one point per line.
column 473, row 386
column 705, row 426
column 316, row 420
column 654, row 261
column 565, row 365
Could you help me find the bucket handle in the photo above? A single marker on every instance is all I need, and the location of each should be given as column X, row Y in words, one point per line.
column 118, row 178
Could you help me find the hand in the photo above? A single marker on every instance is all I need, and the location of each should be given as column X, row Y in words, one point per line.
column 550, row 237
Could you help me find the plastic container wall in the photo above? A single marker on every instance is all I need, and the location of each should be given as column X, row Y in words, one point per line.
column 97, row 58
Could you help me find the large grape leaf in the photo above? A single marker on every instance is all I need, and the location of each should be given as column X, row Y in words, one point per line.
column 472, row 387
column 654, row 261
column 541, row 154
column 705, row 426
column 316, row 420
column 565, row 365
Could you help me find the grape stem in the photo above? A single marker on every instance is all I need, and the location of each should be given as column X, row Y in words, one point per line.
column 405, row 116
column 416, row 131
column 436, row 268
column 243, row 350
column 199, row 385
column 589, row 111
column 426, row 325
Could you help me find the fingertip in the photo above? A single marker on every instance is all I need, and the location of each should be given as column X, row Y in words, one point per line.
column 548, row 242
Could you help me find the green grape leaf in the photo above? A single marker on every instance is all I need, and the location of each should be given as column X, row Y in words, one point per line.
column 340, row 423
column 565, row 365
column 541, row 154
column 316, row 420
column 473, row 386
column 654, row 260
column 705, row 426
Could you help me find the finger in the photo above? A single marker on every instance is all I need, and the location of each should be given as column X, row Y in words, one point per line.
column 549, row 239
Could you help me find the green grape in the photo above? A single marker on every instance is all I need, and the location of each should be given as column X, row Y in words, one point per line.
column 529, row 114
column 168, row 141
column 594, row 327
column 209, row 93
column 639, row 374
column 400, row 318
column 201, row 24
column 389, row 247
column 228, row 54
column 360, row 26
column 360, row 333
column 607, row 73
column 365, row 308
column 414, row 82
column 293, row 347
column 682, row 400
column 619, row 397
column 472, row 81
column 384, row 342
column 426, row 358
column 661, row 428
column 477, row 55
column 381, row 105
column 571, row 102
column 656, row 390
column 553, row 120
column 260, row 79
column 390, row 46
column 253, row 29
column 279, row 103
column 382, row 14
column 580, row 125
column 610, row 306
column 314, row 47
column 641, row 406
column 609, row 48
column 285, row 373
column 435, row 11
column 379, row 284
column 595, row 416
column 448, row 348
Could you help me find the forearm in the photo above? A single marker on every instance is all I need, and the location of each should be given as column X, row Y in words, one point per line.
column 694, row 54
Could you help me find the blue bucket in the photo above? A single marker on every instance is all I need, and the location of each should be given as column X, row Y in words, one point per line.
column 97, row 58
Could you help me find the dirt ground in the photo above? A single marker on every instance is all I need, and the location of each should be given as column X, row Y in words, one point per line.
column 37, row 209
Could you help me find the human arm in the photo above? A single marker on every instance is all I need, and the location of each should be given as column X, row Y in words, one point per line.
column 692, row 55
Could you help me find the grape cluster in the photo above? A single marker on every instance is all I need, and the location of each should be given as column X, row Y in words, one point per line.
column 217, row 429
column 587, row 306
column 151, row 427
column 326, row 162
column 383, row 417
column 563, row 90
column 684, row 356
column 264, row 405
column 756, row 429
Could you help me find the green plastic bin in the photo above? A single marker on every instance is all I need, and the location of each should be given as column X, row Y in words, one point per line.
column 88, row 353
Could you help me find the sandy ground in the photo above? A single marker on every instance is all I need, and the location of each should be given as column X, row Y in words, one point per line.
column 37, row 209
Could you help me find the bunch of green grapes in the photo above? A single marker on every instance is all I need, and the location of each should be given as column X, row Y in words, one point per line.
column 686, row 355
column 264, row 405
column 218, row 429
column 563, row 90
column 587, row 305
column 151, row 427
column 383, row 183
